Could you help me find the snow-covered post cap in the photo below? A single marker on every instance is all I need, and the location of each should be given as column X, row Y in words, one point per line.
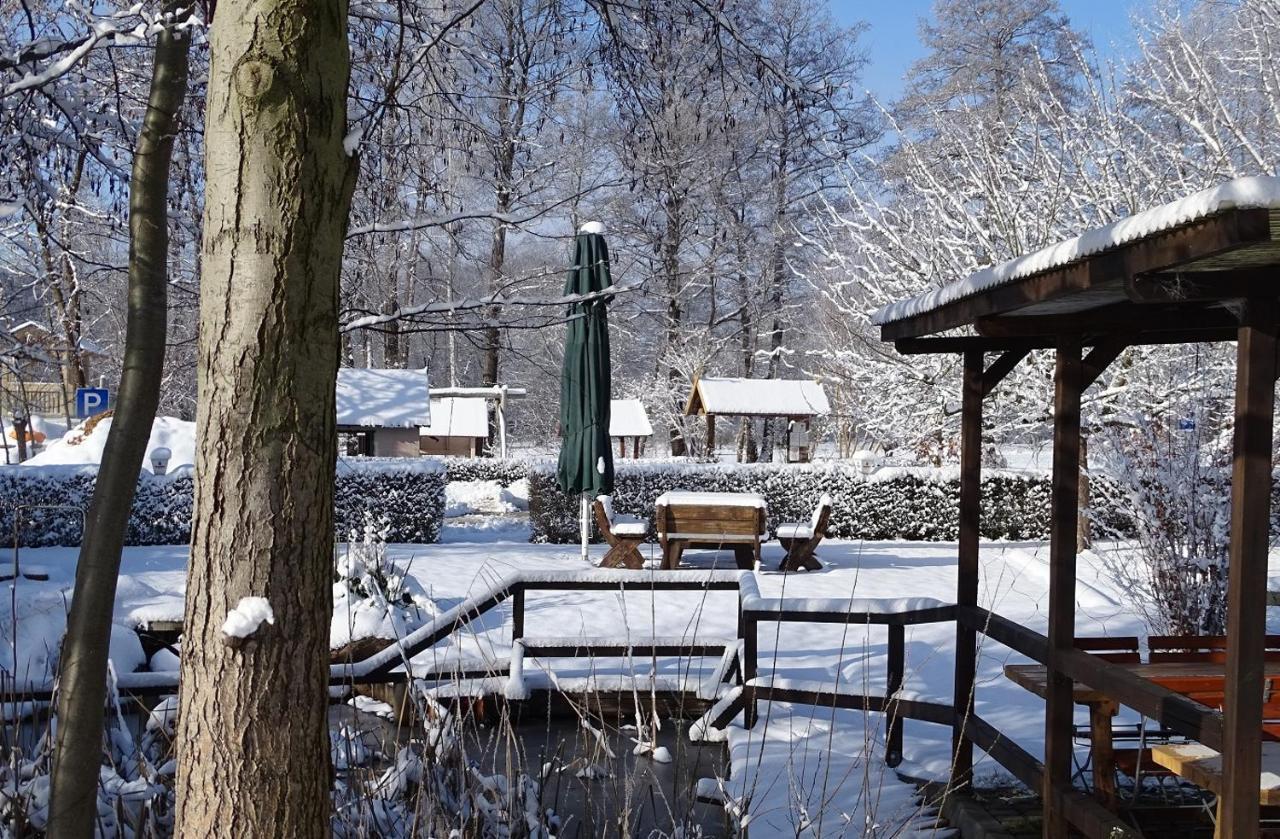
column 592, row 227
column 160, row 459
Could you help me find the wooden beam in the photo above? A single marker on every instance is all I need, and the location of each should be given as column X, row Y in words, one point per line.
column 965, row 343
column 1099, row 358
column 1201, row 286
column 1123, row 318
column 1247, row 578
column 1000, row 368
column 1208, row 237
column 966, row 660
column 1062, row 581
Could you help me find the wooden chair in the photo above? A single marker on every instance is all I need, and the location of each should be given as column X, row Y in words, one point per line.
column 1120, row 649
column 801, row 539
column 1199, row 648
column 624, row 534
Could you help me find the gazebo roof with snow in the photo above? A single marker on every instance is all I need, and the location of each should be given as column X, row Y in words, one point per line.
column 628, row 418
column 757, row 397
column 1175, row 265
column 382, row 398
column 1202, row 269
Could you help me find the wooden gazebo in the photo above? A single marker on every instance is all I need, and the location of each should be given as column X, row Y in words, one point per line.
column 1202, row 269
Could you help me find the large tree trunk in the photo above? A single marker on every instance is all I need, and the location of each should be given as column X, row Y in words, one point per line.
column 78, row 753
column 253, row 747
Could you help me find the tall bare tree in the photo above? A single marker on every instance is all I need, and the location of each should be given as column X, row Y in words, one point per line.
column 78, row 753
column 253, row 747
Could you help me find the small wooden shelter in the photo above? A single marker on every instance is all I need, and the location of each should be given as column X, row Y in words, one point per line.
column 459, row 426
column 381, row 410
column 796, row 400
column 628, row 418
column 1198, row 270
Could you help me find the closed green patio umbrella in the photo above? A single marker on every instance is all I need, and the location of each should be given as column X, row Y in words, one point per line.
column 586, row 457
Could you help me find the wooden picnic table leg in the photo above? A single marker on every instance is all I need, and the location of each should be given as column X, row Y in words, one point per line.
column 742, row 557
column 1103, row 748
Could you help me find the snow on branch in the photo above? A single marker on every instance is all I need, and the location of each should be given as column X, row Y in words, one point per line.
column 414, row 313
column 124, row 28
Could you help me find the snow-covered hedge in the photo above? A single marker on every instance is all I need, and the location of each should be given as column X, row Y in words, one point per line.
column 407, row 492
column 893, row 503
column 505, row 472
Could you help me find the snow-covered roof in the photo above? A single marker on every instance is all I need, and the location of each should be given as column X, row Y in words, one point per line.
column 458, row 416
column 1251, row 193
column 30, row 331
column 628, row 418
column 758, row 397
column 376, row 398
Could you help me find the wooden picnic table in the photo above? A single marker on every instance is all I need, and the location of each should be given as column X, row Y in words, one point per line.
column 1196, row 679
column 684, row 519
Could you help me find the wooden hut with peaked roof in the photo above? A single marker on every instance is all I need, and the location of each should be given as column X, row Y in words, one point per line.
column 796, row 400
column 629, row 419
column 1202, row 269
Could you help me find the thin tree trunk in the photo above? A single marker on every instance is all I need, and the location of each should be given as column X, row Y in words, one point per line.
column 73, row 809
column 253, row 746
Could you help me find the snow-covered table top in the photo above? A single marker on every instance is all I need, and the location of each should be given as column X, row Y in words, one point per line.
column 711, row 499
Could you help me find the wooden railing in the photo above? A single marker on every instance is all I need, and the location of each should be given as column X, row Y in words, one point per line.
column 741, row 659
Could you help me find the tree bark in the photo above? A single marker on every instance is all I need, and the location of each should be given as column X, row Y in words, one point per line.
column 73, row 809
column 253, row 747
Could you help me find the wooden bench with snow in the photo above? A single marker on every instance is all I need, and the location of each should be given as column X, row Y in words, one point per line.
column 1202, row 766
column 801, row 539
column 713, row 520
column 623, row 534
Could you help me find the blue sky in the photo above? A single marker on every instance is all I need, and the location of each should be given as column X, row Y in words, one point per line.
column 892, row 42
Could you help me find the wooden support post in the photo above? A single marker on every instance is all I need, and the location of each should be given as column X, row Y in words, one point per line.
column 1062, row 582
column 1247, row 575
column 517, row 614
column 893, row 713
column 967, row 573
column 747, row 632
column 711, row 435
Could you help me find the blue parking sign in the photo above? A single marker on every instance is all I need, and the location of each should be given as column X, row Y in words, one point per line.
column 90, row 401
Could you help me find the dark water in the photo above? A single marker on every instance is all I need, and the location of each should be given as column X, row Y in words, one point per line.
column 590, row 778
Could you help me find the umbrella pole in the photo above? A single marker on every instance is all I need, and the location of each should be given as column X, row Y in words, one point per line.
column 586, row 527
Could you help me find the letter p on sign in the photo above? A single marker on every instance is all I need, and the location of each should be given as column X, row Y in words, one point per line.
column 90, row 401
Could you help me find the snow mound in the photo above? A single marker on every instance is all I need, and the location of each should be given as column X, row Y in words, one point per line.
column 247, row 616
column 463, row 498
column 80, row 446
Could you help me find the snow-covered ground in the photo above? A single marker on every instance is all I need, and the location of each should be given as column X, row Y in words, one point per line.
column 80, row 447
column 1015, row 584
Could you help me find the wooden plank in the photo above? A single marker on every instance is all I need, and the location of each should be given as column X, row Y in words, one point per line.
column 1082, row 811
column 999, row 628
column 1064, row 510
column 1119, row 319
column 1128, row 685
column 966, row 660
column 1000, row 368
column 1247, row 580
column 938, row 614
column 1135, row 337
column 1203, row 767
column 1100, row 357
column 893, row 686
